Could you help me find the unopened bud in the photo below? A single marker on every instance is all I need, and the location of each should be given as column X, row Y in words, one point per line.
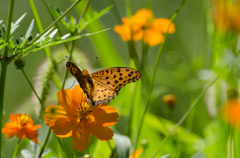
column 144, row 143
column 19, row 64
column 232, row 93
column 169, row 100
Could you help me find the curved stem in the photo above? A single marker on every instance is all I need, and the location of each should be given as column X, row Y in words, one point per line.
column 45, row 142
column 40, row 101
column 16, row 148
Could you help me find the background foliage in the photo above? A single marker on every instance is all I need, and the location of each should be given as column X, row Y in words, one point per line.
column 186, row 67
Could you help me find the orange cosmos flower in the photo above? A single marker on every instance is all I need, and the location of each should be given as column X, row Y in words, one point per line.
column 144, row 26
column 76, row 117
column 137, row 153
column 230, row 112
column 21, row 126
column 226, row 15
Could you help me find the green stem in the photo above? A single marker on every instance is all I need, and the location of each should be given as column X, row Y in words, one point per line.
column 40, row 29
column 56, row 25
column 153, row 77
column 85, row 9
column 16, row 148
column 187, row 113
column 58, row 19
column 40, row 101
column 75, row 154
column 4, row 64
column 45, row 143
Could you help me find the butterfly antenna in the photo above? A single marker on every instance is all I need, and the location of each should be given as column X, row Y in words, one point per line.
column 73, row 84
column 92, row 62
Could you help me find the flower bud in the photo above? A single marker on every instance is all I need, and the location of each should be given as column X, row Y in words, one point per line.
column 144, row 143
column 232, row 93
column 19, row 63
column 169, row 100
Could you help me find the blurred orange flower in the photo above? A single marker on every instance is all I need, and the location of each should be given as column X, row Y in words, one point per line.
column 137, row 153
column 21, row 126
column 226, row 15
column 76, row 117
column 143, row 26
column 230, row 112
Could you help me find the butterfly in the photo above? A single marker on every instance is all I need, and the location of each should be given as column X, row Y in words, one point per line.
column 102, row 86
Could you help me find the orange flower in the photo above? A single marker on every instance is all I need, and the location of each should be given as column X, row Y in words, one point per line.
column 21, row 126
column 137, row 153
column 143, row 26
column 76, row 117
column 230, row 112
column 226, row 15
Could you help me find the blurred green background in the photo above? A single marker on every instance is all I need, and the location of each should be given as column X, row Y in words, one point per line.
column 185, row 53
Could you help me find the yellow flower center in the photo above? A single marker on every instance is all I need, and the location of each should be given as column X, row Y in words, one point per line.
column 24, row 119
column 84, row 110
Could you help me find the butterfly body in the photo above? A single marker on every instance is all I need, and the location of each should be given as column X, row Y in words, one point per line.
column 102, row 86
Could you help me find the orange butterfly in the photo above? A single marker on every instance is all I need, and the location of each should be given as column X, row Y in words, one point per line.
column 102, row 86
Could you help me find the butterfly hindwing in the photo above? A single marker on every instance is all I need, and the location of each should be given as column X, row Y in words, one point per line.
column 112, row 80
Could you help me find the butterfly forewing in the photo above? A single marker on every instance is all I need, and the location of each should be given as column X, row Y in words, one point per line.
column 111, row 80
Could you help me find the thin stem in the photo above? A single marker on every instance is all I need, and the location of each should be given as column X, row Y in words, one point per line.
column 68, row 10
column 56, row 25
column 154, row 74
column 45, row 143
column 4, row 64
column 40, row 29
column 85, row 9
column 16, row 148
column 40, row 101
column 75, row 154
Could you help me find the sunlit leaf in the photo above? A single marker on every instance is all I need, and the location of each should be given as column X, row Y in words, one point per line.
column 28, row 33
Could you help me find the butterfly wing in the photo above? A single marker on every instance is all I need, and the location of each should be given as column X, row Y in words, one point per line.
column 108, row 82
column 84, row 79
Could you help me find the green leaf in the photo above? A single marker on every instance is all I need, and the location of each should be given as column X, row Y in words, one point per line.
column 15, row 25
column 52, row 43
column 29, row 31
column 122, row 145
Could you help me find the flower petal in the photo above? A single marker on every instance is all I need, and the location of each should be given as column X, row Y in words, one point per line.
column 80, row 139
column 31, row 132
column 100, row 132
column 161, row 25
column 59, row 120
column 152, row 38
column 124, row 30
column 64, row 98
column 141, row 19
column 105, row 115
column 77, row 96
column 11, row 129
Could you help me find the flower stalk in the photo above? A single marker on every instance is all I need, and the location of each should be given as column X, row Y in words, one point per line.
column 4, row 64
column 136, row 140
column 16, row 148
